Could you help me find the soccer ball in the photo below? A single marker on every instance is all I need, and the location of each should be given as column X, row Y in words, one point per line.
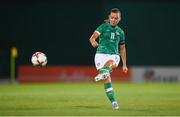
column 39, row 59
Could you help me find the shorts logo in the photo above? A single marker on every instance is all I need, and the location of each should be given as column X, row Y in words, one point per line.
column 98, row 64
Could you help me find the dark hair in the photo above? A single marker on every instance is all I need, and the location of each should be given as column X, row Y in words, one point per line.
column 115, row 10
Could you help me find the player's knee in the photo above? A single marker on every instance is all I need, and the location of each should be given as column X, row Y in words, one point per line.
column 110, row 64
column 107, row 81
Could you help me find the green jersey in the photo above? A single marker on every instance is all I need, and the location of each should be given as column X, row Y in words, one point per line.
column 109, row 38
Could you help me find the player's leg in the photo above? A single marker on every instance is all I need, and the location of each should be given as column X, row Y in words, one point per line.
column 110, row 93
column 104, row 72
column 105, row 64
column 108, row 86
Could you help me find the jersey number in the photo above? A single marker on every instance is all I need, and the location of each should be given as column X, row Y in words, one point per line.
column 112, row 35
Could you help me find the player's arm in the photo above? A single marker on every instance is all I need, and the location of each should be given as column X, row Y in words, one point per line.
column 95, row 35
column 123, row 57
column 93, row 38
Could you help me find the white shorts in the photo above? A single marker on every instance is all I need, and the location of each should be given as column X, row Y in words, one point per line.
column 101, row 59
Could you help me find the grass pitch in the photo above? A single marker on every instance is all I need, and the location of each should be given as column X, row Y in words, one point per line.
column 89, row 99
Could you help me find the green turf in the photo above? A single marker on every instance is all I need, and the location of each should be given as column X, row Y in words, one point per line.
column 89, row 99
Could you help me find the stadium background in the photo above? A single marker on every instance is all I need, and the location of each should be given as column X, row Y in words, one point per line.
column 61, row 29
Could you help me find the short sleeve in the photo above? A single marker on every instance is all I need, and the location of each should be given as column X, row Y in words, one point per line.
column 122, row 39
column 99, row 30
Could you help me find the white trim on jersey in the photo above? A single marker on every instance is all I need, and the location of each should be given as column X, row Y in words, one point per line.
column 98, row 32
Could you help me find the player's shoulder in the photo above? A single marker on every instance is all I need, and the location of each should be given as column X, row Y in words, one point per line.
column 120, row 29
column 104, row 24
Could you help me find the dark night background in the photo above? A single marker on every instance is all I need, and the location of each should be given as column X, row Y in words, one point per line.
column 62, row 30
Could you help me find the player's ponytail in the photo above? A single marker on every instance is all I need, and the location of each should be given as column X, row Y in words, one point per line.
column 106, row 20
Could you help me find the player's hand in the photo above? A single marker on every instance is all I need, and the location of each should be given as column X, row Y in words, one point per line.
column 94, row 44
column 125, row 69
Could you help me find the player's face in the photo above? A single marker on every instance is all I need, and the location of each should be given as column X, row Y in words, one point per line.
column 114, row 18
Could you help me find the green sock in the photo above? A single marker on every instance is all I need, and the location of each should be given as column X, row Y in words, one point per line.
column 104, row 70
column 109, row 92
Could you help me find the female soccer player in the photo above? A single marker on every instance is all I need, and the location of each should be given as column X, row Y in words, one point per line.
column 107, row 58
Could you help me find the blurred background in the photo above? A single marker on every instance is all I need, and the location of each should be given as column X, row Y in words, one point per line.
column 62, row 30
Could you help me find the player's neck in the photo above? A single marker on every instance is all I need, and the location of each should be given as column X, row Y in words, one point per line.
column 111, row 25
